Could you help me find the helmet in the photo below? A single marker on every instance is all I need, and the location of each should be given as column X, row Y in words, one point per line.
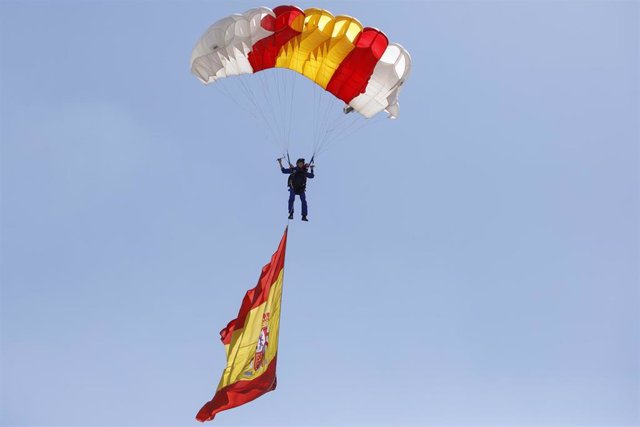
column 299, row 160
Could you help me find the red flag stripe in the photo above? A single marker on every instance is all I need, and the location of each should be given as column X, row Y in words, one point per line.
column 239, row 393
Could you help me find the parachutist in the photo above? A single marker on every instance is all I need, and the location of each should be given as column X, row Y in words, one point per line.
column 297, row 184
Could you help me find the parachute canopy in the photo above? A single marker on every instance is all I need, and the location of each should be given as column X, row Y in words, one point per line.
column 357, row 65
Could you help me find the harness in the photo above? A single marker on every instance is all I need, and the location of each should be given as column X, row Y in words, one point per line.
column 298, row 181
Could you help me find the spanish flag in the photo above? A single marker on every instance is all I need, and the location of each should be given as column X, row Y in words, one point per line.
column 251, row 342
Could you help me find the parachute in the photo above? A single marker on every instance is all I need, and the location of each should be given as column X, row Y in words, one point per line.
column 356, row 65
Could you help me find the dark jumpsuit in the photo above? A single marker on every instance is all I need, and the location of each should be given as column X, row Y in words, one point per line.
column 292, row 193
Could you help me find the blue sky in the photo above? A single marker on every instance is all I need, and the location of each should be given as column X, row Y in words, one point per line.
column 474, row 262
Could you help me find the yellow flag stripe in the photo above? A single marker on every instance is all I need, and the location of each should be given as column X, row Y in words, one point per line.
column 242, row 348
